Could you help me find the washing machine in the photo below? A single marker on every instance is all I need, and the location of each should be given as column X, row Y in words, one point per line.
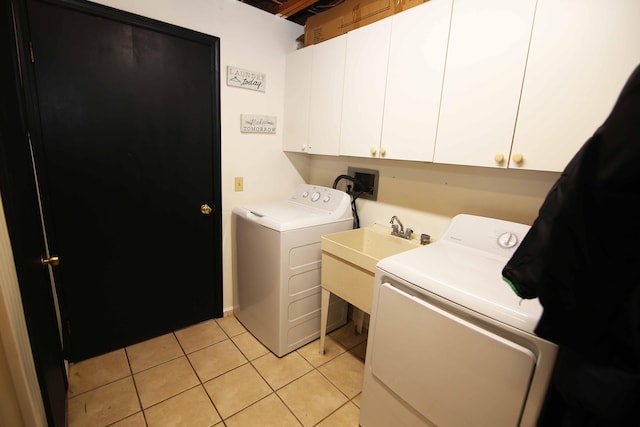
column 277, row 290
column 450, row 344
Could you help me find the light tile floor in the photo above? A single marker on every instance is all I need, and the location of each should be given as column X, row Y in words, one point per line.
column 216, row 373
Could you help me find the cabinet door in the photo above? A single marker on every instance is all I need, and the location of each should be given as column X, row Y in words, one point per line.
column 297, row 94
column 364, row 87
column 325, row 111
column 414, row 81
column 582, row 52
column 485, row 65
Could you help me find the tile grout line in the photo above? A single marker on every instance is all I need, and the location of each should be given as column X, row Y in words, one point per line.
column 196, row 372
column 349, row 400
column 334, row 411
column 135, row 386
column 273, row 390
column 250, row 362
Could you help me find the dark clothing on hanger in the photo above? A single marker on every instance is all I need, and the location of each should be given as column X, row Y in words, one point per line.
column 581, row 258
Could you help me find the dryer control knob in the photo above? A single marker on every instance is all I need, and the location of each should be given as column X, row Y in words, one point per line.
column 315, row 196
column 507, row 240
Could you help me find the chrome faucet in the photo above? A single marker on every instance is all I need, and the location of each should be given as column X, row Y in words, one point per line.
column 394, row 227
column 398, row 229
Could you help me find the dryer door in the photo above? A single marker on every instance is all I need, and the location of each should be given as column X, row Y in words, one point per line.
column 452, row 372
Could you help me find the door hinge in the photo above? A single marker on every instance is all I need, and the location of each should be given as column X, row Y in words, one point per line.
column 33, row 58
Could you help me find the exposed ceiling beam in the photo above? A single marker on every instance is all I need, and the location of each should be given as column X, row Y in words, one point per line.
column 291, row 7
column 266, row 5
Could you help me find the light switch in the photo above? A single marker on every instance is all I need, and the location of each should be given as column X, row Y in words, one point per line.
column 239, row 184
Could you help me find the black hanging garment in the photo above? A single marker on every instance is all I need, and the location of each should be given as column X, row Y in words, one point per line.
column 581, row 258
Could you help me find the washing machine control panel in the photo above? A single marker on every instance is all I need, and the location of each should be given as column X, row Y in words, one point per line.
column 489, row 235
column 325, row 198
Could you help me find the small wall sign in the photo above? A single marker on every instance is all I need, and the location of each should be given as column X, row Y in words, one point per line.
column 252, row 123
column 246, row 79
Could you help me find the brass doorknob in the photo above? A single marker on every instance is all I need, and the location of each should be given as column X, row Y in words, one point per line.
column 205, row 209
column 52, row 260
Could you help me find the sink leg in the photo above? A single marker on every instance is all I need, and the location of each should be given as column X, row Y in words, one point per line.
column 359, row 319
column 324, row 314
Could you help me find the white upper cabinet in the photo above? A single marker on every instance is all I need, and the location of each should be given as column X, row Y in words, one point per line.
column 297, row 98
column 582, row 52
column 414, row 81
column 485, row 65
column 465, row 82
column 313, row 98
column 325, row 111
column 364, row 89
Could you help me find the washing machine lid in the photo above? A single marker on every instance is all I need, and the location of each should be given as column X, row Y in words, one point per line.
column 465, row 267
column 285, row 216
column 308, row 206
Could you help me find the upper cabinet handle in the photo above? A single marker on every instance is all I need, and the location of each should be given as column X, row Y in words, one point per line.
column 518, row 158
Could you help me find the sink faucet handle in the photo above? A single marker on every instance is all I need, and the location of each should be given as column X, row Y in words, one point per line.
column 408, row 232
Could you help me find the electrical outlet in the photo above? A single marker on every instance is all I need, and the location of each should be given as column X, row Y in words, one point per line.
column 238, row 184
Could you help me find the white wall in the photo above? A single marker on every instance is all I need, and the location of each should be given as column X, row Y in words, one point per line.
column 253, row 40
column 425, row 196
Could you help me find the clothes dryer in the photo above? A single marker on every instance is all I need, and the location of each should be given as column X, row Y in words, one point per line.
column 450, row 344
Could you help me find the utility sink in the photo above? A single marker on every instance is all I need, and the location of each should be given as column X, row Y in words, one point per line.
column 348, row 268
column 364, row 247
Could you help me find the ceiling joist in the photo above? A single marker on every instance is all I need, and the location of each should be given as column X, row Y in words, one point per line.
column 294, row 10
column 291, row 7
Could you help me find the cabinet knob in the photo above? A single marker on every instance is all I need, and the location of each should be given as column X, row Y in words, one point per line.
column 374, row 151
column 518, row 158
column 304, row 148
column 499, row 158
column 383, row 151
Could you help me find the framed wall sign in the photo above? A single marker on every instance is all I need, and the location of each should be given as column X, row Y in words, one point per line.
column 252, row 123
column 246, row 79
